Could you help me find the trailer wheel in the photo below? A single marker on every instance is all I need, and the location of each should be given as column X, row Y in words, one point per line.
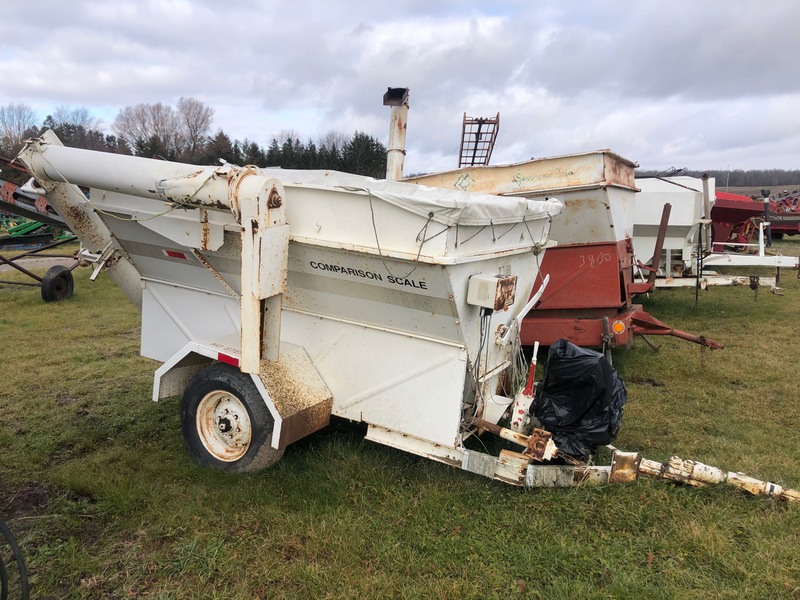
column 57, row 284
column 225, row 422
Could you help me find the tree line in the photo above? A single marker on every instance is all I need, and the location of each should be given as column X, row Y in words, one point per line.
column 184, row 134
column 736, row 177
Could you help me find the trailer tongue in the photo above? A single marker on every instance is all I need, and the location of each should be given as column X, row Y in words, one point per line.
column 275, row 298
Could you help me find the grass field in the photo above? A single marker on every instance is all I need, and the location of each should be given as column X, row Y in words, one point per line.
column 106, row 503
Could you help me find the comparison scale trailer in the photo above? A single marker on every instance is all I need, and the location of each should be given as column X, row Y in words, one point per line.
column 276, row 298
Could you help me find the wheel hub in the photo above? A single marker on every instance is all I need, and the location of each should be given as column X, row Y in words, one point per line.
column 223, row 425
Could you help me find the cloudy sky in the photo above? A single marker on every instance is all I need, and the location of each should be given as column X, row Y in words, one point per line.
column 699, row 84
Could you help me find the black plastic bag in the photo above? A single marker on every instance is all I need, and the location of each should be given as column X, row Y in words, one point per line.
column 580, row 399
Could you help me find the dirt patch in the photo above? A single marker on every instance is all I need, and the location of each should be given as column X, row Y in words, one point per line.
column 30, row 499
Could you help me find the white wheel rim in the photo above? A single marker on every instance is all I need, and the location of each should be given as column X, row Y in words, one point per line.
column 224, row 426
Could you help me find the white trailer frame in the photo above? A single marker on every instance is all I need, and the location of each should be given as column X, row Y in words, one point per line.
column 687, row 196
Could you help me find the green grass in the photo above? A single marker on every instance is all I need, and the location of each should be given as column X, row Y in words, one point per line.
column 106, row 503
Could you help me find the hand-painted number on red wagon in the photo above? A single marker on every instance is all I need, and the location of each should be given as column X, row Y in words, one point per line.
column 592, row 260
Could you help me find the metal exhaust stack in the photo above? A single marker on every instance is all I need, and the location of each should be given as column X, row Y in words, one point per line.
column 397, row 98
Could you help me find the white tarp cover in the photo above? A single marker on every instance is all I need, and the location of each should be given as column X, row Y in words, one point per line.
column 448, row 207
column 145, row 177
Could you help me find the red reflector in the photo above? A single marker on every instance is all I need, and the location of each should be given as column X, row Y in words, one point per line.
column 175, row 254
column 227, row 359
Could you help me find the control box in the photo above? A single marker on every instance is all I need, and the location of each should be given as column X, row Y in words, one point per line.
column 492, row 291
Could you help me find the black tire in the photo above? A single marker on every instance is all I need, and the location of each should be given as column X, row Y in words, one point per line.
column 226, row 424
column 21, row 570
column 57, row 284
column 777, row 236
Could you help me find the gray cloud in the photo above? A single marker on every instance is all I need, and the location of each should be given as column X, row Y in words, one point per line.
column 699, row 84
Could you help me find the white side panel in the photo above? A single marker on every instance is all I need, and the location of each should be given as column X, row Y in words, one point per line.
column 685, row 195
column 157, row 257
column 191, row 227
column 415, row 298
column 587, row 218
column 173, row 317
column 622, row 203
column 406, row 384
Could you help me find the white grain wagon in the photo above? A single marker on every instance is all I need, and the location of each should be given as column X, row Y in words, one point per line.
column 276, row 298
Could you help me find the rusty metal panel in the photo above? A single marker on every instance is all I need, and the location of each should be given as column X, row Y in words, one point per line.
column 598, row 191
column 540, row 445
column 551, row 174
column 585, row 219
column 298, row 392
column 618, row 170
column 7, row 192
column 397, row 98
column 305, row 422
column 512, row 467
column 583, row 276
column 624, row 467
column 546, row 327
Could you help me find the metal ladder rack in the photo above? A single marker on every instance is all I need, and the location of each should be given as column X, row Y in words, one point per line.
column 478, row 135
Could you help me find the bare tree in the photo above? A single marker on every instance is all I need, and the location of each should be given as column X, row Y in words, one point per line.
column 331, row 146
column 196, row 118
column 151, row 129
column 16, row 122
column 286, row 135
column 333, row 140
column 79, row 117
